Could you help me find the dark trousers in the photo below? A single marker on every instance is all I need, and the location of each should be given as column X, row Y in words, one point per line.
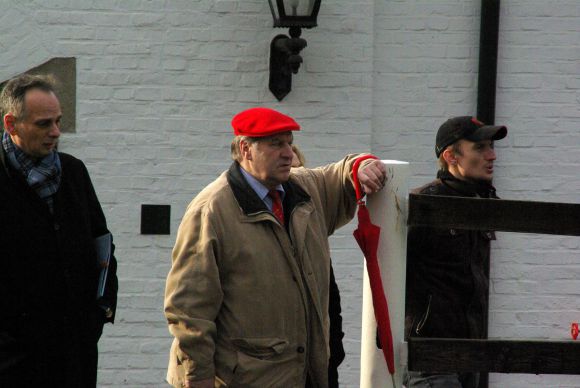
column 52, row 366
column 438, row 380
column 308, row 382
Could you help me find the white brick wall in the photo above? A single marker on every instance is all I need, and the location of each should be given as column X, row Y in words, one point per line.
column 535, row 281
column 158, row 82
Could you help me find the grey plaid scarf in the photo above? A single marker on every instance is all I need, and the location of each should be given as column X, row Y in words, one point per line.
column 43, row 176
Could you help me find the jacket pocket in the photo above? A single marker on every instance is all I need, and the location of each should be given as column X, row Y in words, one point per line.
column 263, row 362
column 424, row 317
column 261, row 348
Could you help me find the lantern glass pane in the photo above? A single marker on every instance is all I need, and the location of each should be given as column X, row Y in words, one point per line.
column 298, row 7
column 274, row 9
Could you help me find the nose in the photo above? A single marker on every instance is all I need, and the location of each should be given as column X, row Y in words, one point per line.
column 491, row 154
column 54, row 130
column 287, row 151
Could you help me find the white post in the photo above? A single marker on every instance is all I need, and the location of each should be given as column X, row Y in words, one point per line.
column 388, row 210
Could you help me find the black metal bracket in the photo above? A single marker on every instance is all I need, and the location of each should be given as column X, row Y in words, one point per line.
column 285, row 60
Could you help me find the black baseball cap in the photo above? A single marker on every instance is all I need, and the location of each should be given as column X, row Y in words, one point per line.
column 466, row 127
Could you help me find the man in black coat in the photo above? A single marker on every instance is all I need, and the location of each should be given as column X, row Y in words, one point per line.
column 52, row 303
column 447, row 269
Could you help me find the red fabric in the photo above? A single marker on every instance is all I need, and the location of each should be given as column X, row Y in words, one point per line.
column 277, row 205
column 260, row 122
column 355, row 166
column 367, row 235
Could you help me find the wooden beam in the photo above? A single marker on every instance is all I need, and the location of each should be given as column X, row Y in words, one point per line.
column 499, row 356
column 494, row 214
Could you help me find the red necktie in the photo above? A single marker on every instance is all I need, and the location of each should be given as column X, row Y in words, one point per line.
column 277, row 205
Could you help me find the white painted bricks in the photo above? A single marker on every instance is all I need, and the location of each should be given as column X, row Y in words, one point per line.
column 158, row 82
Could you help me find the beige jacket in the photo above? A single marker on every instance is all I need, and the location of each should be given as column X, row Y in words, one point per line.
column 246, row 301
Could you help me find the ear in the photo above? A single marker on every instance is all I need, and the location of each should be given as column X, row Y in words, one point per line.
column 246, row 150
column 9, row 121
column 449, row 156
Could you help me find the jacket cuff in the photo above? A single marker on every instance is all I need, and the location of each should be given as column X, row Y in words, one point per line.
column 359, row 162
column 196, row 372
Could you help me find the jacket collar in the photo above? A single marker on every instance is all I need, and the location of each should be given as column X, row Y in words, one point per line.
column 3, row 161
column 249, row 200
column 479, row 188
column 11, row 180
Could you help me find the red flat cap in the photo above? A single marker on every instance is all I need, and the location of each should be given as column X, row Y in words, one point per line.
column 260, row 122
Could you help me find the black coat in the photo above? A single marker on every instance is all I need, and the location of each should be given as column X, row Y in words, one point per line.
column 50, row 321
column 448, row 272
column 336, row 334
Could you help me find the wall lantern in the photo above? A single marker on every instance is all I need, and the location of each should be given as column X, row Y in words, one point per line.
column 284, row 50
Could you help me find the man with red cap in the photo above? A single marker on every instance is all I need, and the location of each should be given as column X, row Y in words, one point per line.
column 447, row 278
column 247, row 295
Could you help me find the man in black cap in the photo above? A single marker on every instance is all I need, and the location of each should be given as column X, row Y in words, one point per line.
column 447, row 269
